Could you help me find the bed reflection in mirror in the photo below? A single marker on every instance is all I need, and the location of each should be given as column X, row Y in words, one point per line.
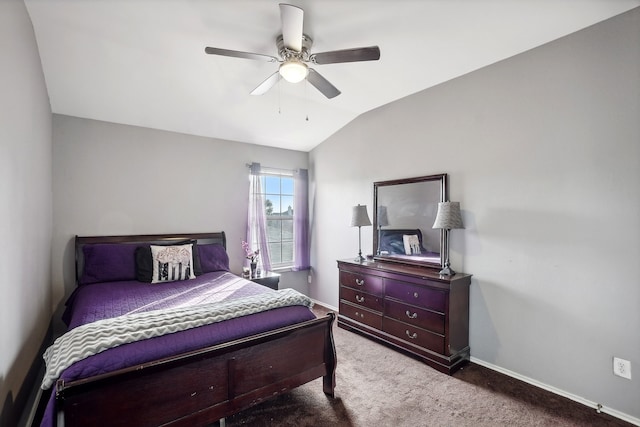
column 404, row 213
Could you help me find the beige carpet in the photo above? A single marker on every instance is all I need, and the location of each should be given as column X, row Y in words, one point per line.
column 377, row 386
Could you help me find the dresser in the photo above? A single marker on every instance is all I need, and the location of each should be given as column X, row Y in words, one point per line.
column 412, row 309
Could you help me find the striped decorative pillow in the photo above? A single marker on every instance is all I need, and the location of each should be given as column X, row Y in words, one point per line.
column 171, row 263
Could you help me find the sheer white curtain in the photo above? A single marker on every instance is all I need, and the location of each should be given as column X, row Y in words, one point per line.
column 256, row 221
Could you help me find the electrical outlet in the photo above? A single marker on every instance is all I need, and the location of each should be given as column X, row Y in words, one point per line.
column 309, row 279
column 622, row 368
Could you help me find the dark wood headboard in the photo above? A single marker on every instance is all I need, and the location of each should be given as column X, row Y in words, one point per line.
column 202, row 238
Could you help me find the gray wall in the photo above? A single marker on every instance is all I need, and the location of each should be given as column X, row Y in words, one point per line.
column 25, row 204
column 543, row 153
column 118, row 179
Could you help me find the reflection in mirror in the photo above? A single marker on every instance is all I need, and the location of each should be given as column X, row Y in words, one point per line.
column 404, row 213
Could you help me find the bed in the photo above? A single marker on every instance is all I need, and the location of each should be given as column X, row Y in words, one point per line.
column 185, row 352
column 405, row 244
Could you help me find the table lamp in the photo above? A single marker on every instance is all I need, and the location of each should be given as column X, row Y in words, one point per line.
column 448, row 218
column 360, row 218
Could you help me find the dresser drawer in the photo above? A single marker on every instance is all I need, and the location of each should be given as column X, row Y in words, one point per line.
column 414, row 335
column 361, row 315
column 417, row 295
column 364, row 299
column 363, row 282
column 415, row 316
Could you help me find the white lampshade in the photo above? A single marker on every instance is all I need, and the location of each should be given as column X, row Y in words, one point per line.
column 448, row 216
column 359, row 216
column 293, row 71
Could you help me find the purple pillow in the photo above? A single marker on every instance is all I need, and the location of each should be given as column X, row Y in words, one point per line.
column 213, row 257
column 108, row 263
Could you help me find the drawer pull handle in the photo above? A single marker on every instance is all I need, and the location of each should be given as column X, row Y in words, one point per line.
column 411, row 316
column 360, row 314
column 413, row 336
column 359, row 298
column 415, row 295
column 359, row 282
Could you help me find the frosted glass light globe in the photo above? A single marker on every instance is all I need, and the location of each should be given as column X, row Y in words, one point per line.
column 293, row 71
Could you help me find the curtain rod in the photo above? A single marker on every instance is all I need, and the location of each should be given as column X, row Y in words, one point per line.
column 270, row 169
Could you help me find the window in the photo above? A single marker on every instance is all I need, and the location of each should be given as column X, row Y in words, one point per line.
column 278, row 220
column 279, row 205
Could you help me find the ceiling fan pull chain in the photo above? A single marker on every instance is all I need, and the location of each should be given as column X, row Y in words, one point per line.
column 306, row 98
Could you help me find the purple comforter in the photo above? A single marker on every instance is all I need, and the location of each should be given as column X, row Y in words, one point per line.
column 106, row 300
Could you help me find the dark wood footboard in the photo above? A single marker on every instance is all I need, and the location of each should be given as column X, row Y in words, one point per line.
column 200, row 387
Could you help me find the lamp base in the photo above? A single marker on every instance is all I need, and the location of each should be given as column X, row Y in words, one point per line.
column 447, row 271
column 359, row 258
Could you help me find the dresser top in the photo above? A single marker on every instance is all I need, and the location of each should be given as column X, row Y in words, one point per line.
column 392, row 267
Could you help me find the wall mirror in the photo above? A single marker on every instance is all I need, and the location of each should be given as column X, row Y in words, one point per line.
column 403, row 216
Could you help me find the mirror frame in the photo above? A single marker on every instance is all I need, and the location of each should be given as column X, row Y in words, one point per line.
column 442, row 179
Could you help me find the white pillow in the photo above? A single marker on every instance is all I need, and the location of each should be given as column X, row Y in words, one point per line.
column 411, row 244
column 171, row 263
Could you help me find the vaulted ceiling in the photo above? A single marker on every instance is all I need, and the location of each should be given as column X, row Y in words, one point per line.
column 142, row 62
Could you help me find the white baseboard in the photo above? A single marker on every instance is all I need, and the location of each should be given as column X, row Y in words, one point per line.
column 324, row 305
column 596, row 406
column 28, row 418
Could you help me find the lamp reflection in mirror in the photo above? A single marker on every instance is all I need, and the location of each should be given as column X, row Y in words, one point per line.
column 360, row 218
column 382, row 221
column 448, row 218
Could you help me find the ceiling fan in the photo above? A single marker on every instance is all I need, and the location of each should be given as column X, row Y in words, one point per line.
column 294, row 51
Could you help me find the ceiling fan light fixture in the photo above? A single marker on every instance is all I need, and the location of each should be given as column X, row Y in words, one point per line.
column 294, row 71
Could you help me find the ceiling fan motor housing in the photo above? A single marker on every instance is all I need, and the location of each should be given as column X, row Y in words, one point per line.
column 288, row 54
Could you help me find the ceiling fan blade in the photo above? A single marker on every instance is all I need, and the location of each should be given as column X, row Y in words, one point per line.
column 238, row 54
column 292, row 18
column 371, row 53
column 267, row 84
column 322, row 84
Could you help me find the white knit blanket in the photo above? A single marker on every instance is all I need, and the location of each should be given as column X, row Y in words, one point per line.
column 96, row 337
